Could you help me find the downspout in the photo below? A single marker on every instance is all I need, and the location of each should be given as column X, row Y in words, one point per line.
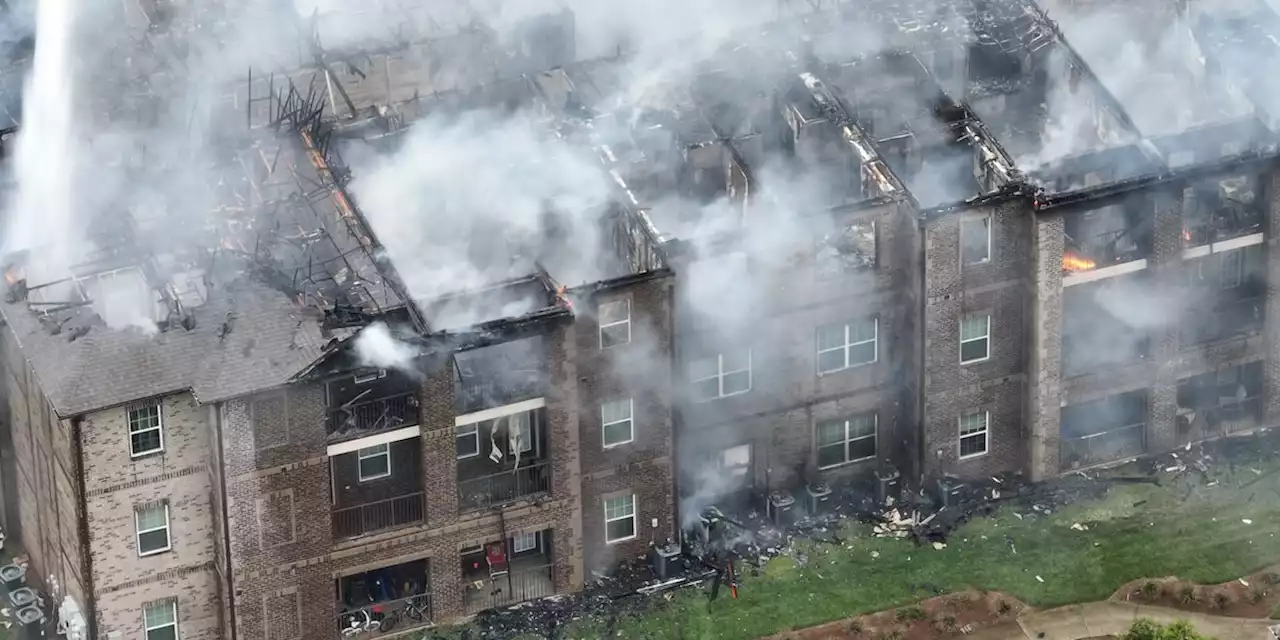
column 677, row 416
column 90, row 605
column 921, row 337
column 226, row 527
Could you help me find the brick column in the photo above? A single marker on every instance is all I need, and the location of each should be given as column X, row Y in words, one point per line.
column 446, row 586
column 1045, row 367
column 439, row 457
column 564, row 440
column 1271, row 369
column 1167, row 278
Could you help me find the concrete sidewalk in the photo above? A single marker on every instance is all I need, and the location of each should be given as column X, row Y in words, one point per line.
column 1114, row 618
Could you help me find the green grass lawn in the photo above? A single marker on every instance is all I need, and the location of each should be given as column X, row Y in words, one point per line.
column 1185, row 527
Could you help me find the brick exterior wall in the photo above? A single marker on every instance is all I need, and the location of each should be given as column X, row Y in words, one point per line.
column 788, row 396
column 997, row 384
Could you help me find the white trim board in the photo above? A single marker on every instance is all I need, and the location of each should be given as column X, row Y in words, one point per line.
column 499, row 412
column 1226, row 245
column 373, row 441
column 1104, row 273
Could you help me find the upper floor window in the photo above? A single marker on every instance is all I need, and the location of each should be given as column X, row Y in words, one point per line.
column 152, row 522
column 615, row 323
column 616, row 423
column 975, row 239
column 843, row 346
column 620, row 518
column 160, row 619
column 721, row 375
column 975, row 433
column 374, row 462
column 975, row 337
column 467, row 441
column 146, row 433
column 846, row 440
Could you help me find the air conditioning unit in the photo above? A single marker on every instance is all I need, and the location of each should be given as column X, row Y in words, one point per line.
column 71, row 622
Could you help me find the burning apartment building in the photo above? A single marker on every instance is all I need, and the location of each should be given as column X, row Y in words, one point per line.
column 481, row 304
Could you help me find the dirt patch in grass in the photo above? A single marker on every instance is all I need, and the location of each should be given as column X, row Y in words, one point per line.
column 1254, row 596
column 952, row 615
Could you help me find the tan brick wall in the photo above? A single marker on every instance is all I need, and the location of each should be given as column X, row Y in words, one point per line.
column 118, row 483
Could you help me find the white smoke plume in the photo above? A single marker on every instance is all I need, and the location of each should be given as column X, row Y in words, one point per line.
column 376, row 347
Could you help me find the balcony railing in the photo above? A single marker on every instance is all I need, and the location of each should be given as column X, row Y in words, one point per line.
column 1217, row 227
column 500, row 488
column 1097, row 448
column 1081, row 355
column 381, row 414
column 1223, row 320
column 1105, row 250
column 1233, row 416
column 391, row 616
column 356, row 521
column 488, row 592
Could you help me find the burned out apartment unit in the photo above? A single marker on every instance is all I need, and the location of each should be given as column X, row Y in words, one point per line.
column 204, row 449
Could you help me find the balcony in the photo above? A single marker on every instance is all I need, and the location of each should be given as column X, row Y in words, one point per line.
column 366, row 417
column 1107, row 237
column 352, row 522
column 397, row 597
column 1219, row 210
column 491, row 579
column 495, row 489
column 500, row 374
column 1105, row 430
column 1222, row 321
column 1220, row 402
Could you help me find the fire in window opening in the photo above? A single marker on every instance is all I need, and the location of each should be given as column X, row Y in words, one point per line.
column 1220, row 209
column 1110, row 235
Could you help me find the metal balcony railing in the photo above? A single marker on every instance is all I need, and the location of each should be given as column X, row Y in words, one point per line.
column 391, row 616
column 524, row 583
column 1233, row 416
column 1097, row 448
column 374, row 415
column 499, row 488
column 359, row 520
column 1219, row 226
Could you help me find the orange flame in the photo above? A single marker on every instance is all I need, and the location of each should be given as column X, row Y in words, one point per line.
column 1186, row 235
column 13, row 275
column 1074, row 263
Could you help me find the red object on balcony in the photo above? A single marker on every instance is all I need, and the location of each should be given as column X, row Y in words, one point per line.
column 496, row 554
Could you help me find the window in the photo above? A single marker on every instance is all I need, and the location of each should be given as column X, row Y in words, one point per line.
column 615, row 423
column 146, row 436
column 522, row 424
column 615, row 323
column 975, row 337
column 843, row 346
column 152, row 522
column 1231, row 271
column 620, row 519
column 720, row 376
column 846, row 440
column 975, row 239
column 371, row 377
column 523, row 542
column 468, row 441
column 974, row 433
column 161, row 620
column 374, row 462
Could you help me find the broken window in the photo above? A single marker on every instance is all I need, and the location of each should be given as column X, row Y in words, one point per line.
column 975, row 433
column 620, row 519
column 975, row 239
column 847, row 345
column 975, row 337
column 615, row 323
column 720, row 376
column 851, row 248
column 615, row 422
column 846, row 440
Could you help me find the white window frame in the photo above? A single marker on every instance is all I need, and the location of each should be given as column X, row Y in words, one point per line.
column 138, row 531
column 472, row 430
column 986, row 218
column 173, row 609
column 848, row 346
column 635, row 521
column 721, row 374
column 984, row 432
column 368, row 453
column 1231, row 263
column 629, row 420
column 529, row 540
column 158, row 428
column 522, row 421
column 844, row 443
column 600, row 313
column 986, row 336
